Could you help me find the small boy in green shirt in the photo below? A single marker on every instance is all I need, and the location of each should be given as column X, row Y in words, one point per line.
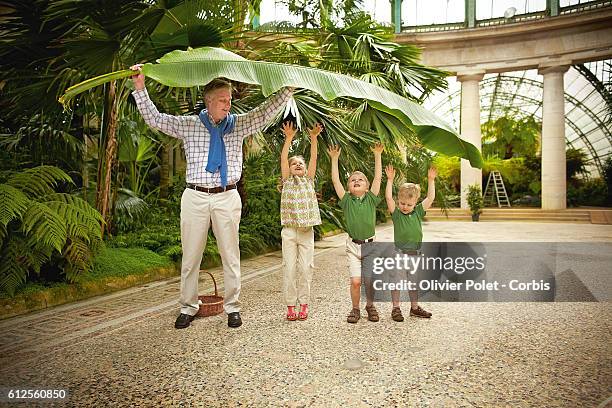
column 359, row 207
column 407, row 217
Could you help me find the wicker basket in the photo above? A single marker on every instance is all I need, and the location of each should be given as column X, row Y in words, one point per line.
column 211, row 304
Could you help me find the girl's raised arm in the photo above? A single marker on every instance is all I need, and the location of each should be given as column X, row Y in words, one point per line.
column 289, row 132
column 314, row 134
column 389, row 190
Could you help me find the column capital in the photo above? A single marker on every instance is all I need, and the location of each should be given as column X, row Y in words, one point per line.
column 470, row 76
column 549, row 69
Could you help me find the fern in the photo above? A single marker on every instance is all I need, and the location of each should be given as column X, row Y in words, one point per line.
column 39, row 225
column 76, row 202
column 45, row 226
column 13, row 269
column 13, row 204
column 79, row 258
column 38, row 181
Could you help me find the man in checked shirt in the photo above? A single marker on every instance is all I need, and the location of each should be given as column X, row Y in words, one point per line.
column 211, row 194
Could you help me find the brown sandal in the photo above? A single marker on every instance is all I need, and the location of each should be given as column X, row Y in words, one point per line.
column 396, row 314
column 372, row 313
column 353, row 316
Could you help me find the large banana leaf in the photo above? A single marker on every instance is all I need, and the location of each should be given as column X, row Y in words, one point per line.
column 200, row 66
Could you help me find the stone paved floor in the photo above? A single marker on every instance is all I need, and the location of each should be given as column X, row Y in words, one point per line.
column 122, row 350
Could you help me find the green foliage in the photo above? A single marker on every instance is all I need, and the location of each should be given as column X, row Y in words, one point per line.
column 123, row 262
column 607, row 176
column 474, row 199
column 449, row 170
column 593, row 192
column 510, row 136
column 521, row 175
column 576, row 161
column 260, row 226
column 40, row 226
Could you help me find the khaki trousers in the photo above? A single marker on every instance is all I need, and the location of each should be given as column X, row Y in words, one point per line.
column 198, row 209
column 298, row 254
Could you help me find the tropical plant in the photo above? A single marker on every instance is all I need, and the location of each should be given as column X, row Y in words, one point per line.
column 510, row 136
column 50, row 45
column 576, row 161
column 137, row 154
column 475, row 200
column 592, row 192
column 200, row 66
column 607, row 176
column 38, row 223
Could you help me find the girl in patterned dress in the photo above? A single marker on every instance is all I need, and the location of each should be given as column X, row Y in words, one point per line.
column 299, row 213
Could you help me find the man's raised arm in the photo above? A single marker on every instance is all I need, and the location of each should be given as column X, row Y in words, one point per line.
column 169, row 124
column 258, row 118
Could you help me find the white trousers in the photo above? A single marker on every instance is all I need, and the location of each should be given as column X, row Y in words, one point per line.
column 298, row 254
column 197, row 211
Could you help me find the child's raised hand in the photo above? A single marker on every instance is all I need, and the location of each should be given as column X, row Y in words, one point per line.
column 390, row 172
column 334, row 151
column 289, row 130
column 378, row 148
column 432, row 173
column 315, row 131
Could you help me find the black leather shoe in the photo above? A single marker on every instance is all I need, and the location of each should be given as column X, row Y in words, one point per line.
column 234, row 320
column 183, row 321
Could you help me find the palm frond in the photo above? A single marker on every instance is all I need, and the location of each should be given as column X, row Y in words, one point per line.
column 130, row 204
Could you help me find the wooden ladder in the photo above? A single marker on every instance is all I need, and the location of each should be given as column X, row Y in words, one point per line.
column 496, row 190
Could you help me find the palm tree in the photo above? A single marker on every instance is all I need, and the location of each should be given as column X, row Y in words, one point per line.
column 364, row 49
column 88, row 37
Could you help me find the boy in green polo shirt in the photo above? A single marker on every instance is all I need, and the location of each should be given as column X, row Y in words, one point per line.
column 407, row 217
column 359, row 207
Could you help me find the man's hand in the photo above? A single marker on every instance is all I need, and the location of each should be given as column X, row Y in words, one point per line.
column 334, row 152
column 139, row 78
column 289, row 130
column 315, row 131
column 432, row 173
column 390, row 171
column 378, row 148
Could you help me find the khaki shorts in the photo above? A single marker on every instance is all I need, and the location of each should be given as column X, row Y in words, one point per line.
column 397, row 275
column 354, row 257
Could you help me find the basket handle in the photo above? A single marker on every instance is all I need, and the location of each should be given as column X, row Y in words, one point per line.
column 214, row 281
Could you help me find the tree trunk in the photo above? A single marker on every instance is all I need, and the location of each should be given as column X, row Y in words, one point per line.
column 164, row 175
column 85, row 171
column 110, row 130
column 241, row 8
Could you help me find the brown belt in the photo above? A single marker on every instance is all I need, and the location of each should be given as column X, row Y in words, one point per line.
column 410, row 251
column 362, row 241
column 212, row 190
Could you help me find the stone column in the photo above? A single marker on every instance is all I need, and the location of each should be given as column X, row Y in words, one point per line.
column 470, row 128
column 553, row 138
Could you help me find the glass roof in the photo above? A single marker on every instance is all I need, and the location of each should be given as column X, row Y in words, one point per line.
column 585, row 107
column 521, row 91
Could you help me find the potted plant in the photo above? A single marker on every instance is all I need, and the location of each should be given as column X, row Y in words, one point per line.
column 475, row 201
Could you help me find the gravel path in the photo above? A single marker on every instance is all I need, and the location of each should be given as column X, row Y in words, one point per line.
column 468, row 354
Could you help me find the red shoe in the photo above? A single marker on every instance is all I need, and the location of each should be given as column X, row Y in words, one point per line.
column 291, row 316
column 303, row 315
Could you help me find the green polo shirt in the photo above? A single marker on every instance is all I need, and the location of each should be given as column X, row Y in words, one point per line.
column 360, row 214
column 407, row 230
